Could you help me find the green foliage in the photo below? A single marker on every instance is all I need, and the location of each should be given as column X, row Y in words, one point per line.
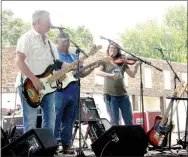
column 81, row 36
column 12, row 28
column 170, row 35
column 52, row 35
column 84, row 37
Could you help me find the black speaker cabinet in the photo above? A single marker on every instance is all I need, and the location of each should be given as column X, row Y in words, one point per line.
column 121, row 141
column 36, row 142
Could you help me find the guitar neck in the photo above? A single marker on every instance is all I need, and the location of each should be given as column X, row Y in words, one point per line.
column 62, row 72
column 165, row 116
column 176, row 94
column 84, row 68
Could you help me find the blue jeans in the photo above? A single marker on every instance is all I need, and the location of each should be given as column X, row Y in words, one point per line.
column 30, row 114
column 113, row 103
column 66, row 108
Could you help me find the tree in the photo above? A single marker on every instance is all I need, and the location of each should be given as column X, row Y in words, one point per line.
column 81, row 36
column 12, row 28
column 171, row 35
column 84, row 37
column 176, row 26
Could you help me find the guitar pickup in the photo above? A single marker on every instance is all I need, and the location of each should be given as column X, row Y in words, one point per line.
column 43, row 87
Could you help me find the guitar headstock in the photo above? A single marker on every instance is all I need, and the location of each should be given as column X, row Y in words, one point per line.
column 94, row 49
column 181, row 88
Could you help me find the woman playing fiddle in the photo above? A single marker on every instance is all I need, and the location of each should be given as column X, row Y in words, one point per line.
column 115, row 94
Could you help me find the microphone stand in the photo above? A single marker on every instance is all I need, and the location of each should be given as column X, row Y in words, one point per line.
column 177, row 114
column 78, row 50
column 141, row 82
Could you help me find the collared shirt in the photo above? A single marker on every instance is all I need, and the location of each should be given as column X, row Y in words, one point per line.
column 71, row 89
column 37, row 52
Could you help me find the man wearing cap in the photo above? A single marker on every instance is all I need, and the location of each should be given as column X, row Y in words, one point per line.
column 66, row 100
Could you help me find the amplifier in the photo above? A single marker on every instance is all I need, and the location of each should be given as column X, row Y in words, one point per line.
column 17, row 121
column 149, row 119
column 88, row 110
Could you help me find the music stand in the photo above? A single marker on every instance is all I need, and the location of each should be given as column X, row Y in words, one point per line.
column 175, row 78
column 186, row 122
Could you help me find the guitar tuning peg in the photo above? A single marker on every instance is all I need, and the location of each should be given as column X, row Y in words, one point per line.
column 93, row 46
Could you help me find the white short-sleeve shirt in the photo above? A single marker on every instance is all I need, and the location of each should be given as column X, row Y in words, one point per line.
column 37, row 52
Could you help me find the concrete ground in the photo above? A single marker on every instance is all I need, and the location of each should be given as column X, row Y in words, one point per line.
column 150, row 152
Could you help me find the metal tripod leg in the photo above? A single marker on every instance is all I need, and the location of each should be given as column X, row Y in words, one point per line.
column 186, row 128
column 75, row 131
column 178, row 125
column 171, row 114
column 82, row 136
column 170, row 134
column 85, row 138
column 91, row 132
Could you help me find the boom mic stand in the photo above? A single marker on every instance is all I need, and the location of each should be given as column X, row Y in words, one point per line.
column 177, row 114
column 78, row 50
column 141, row 84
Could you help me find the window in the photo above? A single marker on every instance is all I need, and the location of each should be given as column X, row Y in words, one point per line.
column 184, row 77
column 167, row 82
column 148, row 80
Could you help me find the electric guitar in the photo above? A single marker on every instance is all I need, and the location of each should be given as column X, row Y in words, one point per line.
column 158, row 134
column 69, row 77
column 49, row 79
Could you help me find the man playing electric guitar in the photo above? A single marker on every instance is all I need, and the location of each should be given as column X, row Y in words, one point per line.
column 66, row 100
column 34, row 53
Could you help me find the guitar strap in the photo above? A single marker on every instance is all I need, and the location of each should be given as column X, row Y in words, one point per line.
column 57, row 63
column 51, row 52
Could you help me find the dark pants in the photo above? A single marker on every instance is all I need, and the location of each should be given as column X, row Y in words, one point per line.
column 66, row 108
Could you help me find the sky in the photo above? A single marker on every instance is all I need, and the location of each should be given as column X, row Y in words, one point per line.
column 103, row 18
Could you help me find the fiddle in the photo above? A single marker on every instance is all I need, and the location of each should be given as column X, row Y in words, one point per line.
column 120, row 61
column 128, row 60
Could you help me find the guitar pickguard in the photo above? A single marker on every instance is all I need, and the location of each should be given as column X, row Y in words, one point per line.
column 163, row 129
column 69, row 77
column 158, row 134
column 34, row 97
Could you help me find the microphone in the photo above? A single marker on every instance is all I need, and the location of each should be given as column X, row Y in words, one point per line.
column 158, row 48
column 101, row 37
column 110, row 41
column 56, row 27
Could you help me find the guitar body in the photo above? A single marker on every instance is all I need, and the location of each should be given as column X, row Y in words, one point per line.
column 158, row 134
column 34, row 97
column 68, row 78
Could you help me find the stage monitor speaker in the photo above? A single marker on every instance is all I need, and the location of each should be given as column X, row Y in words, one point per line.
column 121, row 141
column 36, row 142
column 89, row 111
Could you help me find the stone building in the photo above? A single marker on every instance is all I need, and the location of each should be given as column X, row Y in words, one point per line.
column 157, row 85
